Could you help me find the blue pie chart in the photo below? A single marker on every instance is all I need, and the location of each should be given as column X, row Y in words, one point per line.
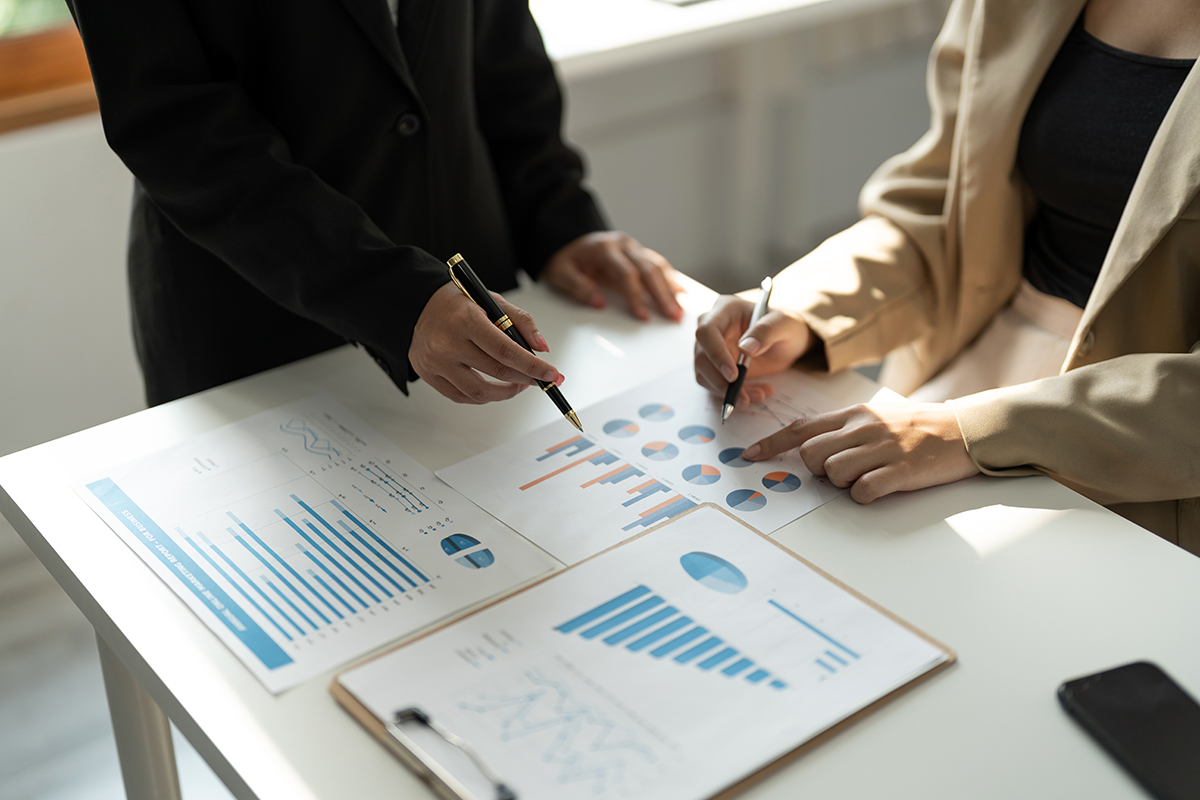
column 656, row 412
column 457, row 542
column 732, row 457
column 781, row 482
column 701, row 474
column 746, row 500
column 660, row 451
column 715, row 573
column 697, row 434
column 620, row 428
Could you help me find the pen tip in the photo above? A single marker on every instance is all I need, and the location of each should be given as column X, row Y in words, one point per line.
column 574, row 420
column 726, row 410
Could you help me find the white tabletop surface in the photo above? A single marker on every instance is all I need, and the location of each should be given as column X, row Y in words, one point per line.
column 1029, row 583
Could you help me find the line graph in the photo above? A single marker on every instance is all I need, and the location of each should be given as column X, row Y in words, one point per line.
column 576, row 738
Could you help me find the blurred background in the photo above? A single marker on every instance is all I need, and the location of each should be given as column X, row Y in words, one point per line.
column 732, row 149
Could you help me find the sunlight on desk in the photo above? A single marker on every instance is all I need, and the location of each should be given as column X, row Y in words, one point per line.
column 993, row 528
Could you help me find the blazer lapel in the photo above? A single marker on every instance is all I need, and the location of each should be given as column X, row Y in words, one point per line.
column 373, row 17
column 1165, row 185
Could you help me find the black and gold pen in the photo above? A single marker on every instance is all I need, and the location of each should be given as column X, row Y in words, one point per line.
column 465, row 279
column 743, row 362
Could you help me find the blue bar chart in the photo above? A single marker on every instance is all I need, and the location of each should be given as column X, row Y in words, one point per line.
column 306, row 539
column 643, row 622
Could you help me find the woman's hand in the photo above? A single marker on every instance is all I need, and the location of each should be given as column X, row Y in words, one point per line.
column 614, row 260
column 775, row 342
column 453, row 342
column 876, row 449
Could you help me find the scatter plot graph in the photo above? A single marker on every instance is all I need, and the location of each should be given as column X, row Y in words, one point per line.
column 660, row 451
column 746, row 500
column 378, row 484
column 701, row 474
column 781, row 482
column 697, row 434
column 732, row 457
column 644, row 623
column 656, row 412
column 473, row 556
column 621, row 428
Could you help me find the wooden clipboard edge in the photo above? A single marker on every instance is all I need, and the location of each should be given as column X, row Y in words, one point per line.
column 375, row 726
column 377, row 729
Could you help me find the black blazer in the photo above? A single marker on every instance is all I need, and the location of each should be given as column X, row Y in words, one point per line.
column 301, row 176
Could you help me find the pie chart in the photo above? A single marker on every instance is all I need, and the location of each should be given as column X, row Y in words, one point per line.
column 732, row 457
column 701, row 474
column 660, row 451
column 781, row 482
column 746, row 500
column 715, row 573
column 620, row 428
column 476, row 559
column 696, row 434
column 656, row 412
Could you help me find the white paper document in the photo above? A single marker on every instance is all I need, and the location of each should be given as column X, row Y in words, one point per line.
column 648, row 455
column 304, row 539
column 670, row 668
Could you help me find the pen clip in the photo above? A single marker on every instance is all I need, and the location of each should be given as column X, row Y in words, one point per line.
column 424, row 764
column 450, row 266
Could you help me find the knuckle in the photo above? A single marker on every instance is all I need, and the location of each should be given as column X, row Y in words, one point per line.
column 866, row 489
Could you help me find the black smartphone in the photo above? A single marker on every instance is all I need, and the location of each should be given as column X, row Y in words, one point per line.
column 1144, row 720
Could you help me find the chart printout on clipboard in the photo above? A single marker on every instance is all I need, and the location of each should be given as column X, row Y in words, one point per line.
column 670, row 667
column 648, row 454
column 304, row 539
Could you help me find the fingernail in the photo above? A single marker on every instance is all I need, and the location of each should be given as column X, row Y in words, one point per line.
column 597, row 301
column 561, row 380
column 642, row 314
column 729, row 373
column 751, row 451
column 540, row 341
column 749, row 345
column 552, row 376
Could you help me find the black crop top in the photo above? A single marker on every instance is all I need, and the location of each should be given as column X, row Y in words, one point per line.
column 1083, row 141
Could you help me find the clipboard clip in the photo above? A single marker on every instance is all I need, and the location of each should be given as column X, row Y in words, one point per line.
column 422, row 763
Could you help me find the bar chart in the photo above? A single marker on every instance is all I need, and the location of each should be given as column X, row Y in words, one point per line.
column 643, row 622
column 307, row 539
column 658, row 451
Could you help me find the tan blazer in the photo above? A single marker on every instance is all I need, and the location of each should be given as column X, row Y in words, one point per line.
column 939, row 252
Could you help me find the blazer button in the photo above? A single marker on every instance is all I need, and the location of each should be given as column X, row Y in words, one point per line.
column 408, row 124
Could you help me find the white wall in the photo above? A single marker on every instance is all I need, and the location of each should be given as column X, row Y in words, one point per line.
column 66, row 354
column 668, row 144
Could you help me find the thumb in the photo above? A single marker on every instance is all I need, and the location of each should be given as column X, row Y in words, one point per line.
column 775, row 329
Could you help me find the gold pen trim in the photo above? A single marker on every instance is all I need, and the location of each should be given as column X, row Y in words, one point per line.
column 454, row 259
column 504, row 323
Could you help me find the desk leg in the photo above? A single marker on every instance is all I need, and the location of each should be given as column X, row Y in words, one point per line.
column 143, row 733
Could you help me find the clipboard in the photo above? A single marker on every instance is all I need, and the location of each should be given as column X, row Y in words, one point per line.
column 422, row 738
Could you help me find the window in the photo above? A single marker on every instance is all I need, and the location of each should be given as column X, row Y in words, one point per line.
column 43, row 70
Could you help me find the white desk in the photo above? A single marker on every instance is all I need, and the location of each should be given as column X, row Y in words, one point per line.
column 1030, row 583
